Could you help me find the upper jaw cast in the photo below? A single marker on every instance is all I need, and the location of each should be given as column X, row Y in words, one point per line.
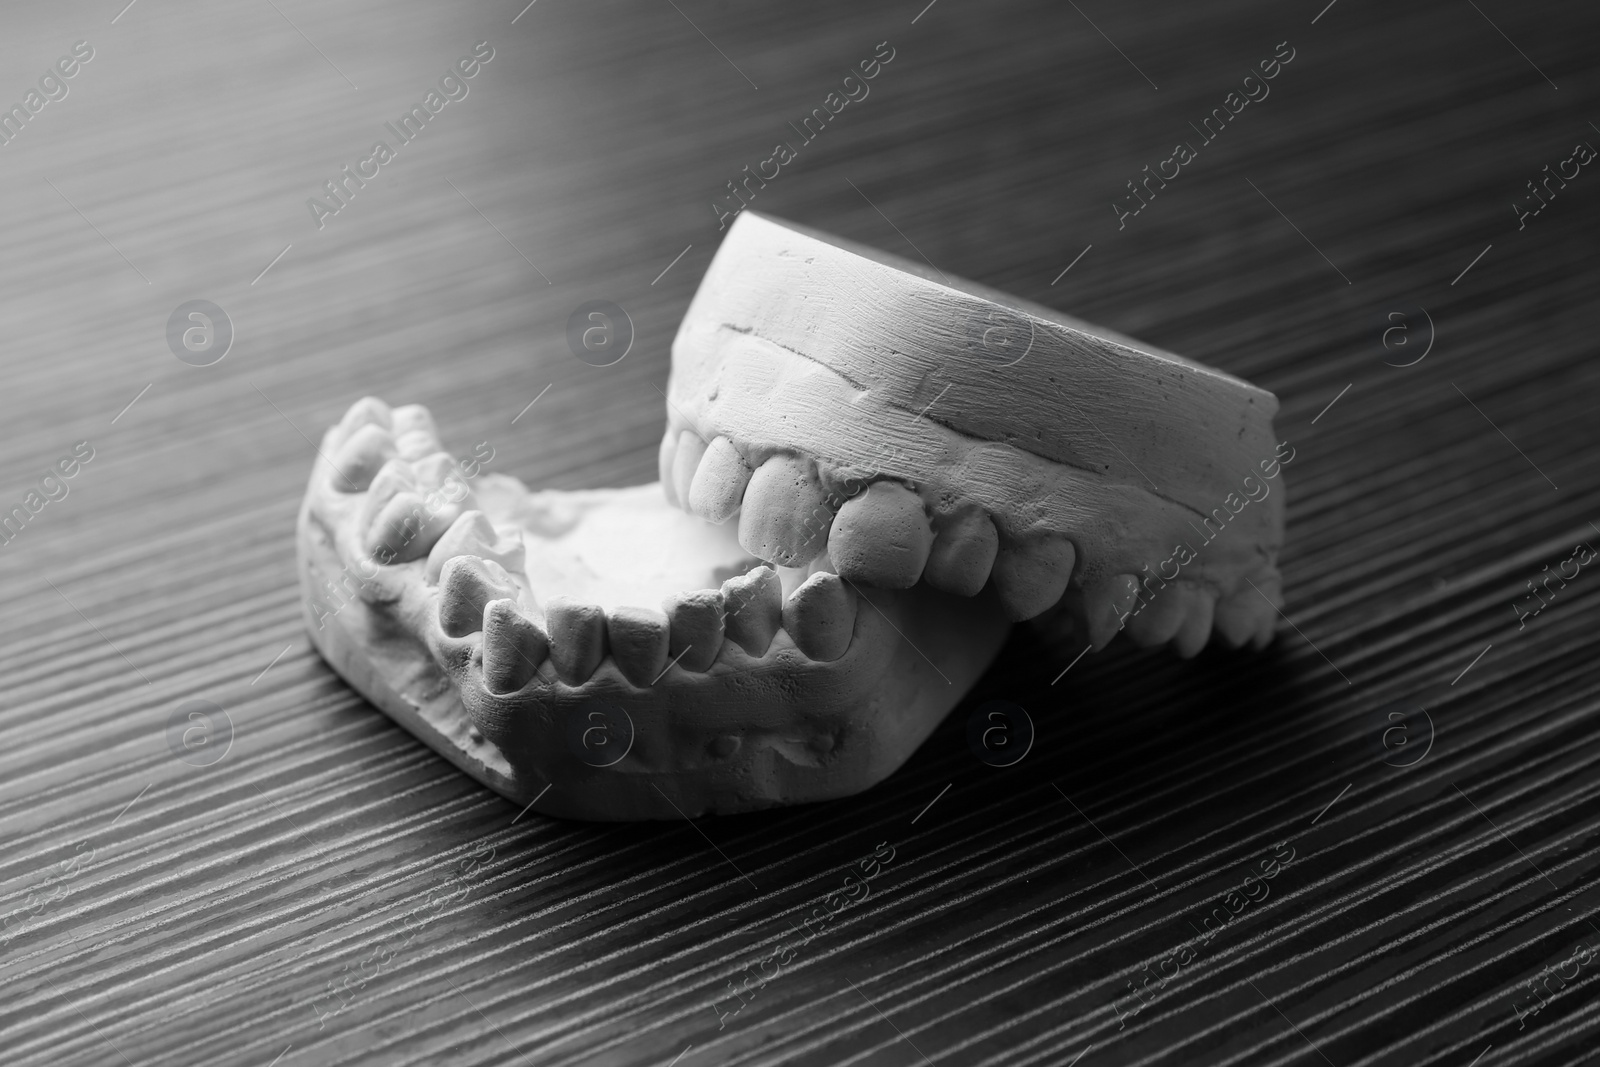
column 835, row 399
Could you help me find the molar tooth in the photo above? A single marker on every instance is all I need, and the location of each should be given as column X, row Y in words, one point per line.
column 439, row 470
column 881, row 537
column 821, row 616
column 694, row 623
column 754, row 605
column 1031, row 575
column 785, row 516
column 368, row 411
column 1159, row 619
column 1195, row 631
column 466, row 587
column 638, row 640
column 691, row 449
column 577, row 638
column 719, row 482
column 963, row 553
column 403, row 530
column 472, row 534
column 410, row 417
column 361, row 456
column 513, row 648
column 416, row 444
column 664, row 459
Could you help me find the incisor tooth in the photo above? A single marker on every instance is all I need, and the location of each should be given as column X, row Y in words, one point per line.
column 577, row 637
column 1195, row 630
column 820, row 616
column 638, row 641
column 513, row 648
column 360, row 458
column 694, row 624
column 691, row 449
column 785, row 516
column 719, row 482
column 368, row 411
column 466, row 587
column 1030, row 576
column 472, row 534
column 754, row 606
column 963, row 553
column 881, row 537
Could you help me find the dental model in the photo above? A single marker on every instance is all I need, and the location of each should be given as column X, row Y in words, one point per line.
column 868, row 473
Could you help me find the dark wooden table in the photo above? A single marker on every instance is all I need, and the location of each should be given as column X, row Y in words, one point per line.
column 1412, row 766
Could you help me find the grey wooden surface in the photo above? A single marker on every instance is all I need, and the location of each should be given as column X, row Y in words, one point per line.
column 331, row 892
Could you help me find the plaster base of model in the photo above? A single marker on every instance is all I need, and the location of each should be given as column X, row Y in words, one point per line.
column 519, row 635
column 924, row 430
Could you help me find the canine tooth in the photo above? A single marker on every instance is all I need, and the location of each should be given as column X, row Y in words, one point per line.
column 719, row 482
column 368, row 411
column 577, row 637
column 1159, row 619
column 1105, row 604
column 513, row 648
column 785, row 516
column 664, row 457
column 1195, row 631
column 466, row 587
column 395, row 476
column 963, row 553
column 1031, row 576
column 360, row 458
column 691, row 449
column 472, row 534
column 820, row 616
column 754, row 606
column 881, row 537
column 694, row 625
column 638, row 640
